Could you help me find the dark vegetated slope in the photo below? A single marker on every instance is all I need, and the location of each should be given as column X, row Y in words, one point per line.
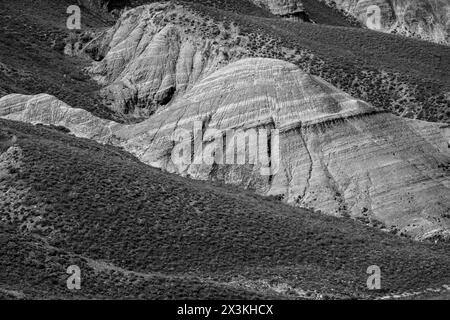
column 32, row 39
column 317, row 11
column 35, row 270
column 101, row 203
column 320, row 13
column 405, row 76
column 236, row 6
column 391, row 72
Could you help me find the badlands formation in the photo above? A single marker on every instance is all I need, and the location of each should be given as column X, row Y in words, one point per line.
column 154, row 53
column 147, row 62
column 337, row 154
column 423, row 19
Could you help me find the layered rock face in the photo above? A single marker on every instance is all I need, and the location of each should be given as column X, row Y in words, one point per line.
column 289, row 9
column 148, row 63
column 156, row 52
column 46, row 109
column 334, row 153
column 423, row 19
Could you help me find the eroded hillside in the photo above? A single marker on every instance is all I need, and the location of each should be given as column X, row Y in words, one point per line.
column 138, row 232
column 336, row 153
column 404, row 76
column 347, row 171
column 422, row 19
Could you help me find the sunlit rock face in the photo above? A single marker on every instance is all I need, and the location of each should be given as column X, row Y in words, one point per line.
column 336, row 153
column 422, row 19
column 284, row 8
column 47, row 109
column 156, row 52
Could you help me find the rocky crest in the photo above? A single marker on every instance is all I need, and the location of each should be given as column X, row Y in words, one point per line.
column 427, row 20
column 337, row 154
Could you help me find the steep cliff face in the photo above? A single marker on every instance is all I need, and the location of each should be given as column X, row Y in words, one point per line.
column 423, row 19
column 334, row 153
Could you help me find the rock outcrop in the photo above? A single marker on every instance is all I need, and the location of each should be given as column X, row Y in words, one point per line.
column 288, row 9
column 336, row 154
column 46, row 109
column 427, row 20
column 148, row 63
column 156, row 52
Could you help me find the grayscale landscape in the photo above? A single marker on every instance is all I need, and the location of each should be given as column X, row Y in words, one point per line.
column 225, row 149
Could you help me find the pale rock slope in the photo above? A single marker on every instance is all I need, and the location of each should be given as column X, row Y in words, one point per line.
column 290, row 9
column 423, row 19
column 46, row 109
column 146, row 63
column 337, row 154
column 155, row 52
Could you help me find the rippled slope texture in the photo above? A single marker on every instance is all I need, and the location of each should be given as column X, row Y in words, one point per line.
column 156, row 52
column 337, row 154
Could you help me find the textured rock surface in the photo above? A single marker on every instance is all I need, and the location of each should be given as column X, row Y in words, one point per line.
column 423, row 19
column 155, row 52
column 292, row 9
column 46, row 109
column 338, row 154
column 148, row 63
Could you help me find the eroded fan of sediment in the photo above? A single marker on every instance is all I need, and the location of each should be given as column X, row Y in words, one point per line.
column 337, row 154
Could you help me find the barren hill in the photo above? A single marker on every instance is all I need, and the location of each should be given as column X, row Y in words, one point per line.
column 404, row 76
column 336, row 153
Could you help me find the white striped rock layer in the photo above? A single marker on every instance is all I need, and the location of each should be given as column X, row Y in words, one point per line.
column 283, row 8
column 149, row 61
column 423, row 19
column 337, row 154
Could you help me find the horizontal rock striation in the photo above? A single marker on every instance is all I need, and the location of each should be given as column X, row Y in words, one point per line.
column 149, row 62
column 336, row 154
column 47, row 109
column 156, row 52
